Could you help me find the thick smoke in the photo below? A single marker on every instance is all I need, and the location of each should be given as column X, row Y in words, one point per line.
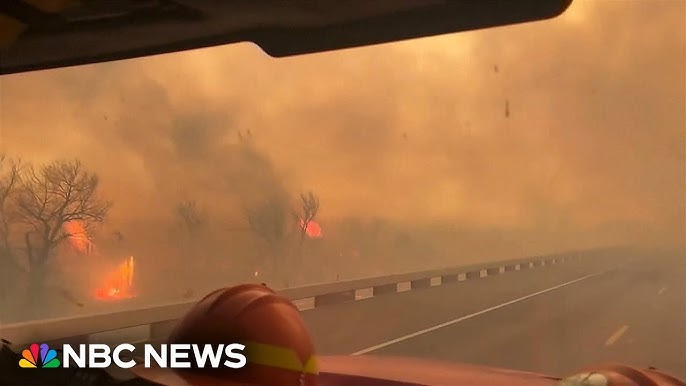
column 538, row 137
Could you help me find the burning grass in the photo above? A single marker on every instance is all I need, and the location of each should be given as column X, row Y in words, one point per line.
column 118, row 284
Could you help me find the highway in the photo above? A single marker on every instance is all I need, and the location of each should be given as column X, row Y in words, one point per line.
column 554, row 319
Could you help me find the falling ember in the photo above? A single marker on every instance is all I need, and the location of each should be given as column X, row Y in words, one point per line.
column 257, row 273
column 313, row 230
column 119, row 284
column 78, row 237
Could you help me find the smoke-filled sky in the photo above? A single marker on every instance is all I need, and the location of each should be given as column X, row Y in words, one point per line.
column 411, row 131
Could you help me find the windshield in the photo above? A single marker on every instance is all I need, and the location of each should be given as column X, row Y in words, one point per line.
column 131, row 184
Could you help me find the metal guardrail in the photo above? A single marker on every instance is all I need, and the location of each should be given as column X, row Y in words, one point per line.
column 155, row 323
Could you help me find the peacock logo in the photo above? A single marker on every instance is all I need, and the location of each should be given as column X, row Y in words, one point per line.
column 31, row 358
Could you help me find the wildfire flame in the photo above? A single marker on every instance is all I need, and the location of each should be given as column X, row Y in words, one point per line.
column 313, row 230
column 119, row 283
column 78, row 237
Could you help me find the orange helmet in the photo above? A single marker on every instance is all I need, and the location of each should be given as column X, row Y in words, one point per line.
column 278, row 347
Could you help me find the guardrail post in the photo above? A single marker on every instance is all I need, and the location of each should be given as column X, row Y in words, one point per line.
column 420, row 283
column 450, row 278
column 492, row 271
column 334, row 298
column 385, row 289
column 473, row 275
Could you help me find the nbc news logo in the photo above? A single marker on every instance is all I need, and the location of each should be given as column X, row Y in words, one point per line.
column 102, row 356
column 39, row 356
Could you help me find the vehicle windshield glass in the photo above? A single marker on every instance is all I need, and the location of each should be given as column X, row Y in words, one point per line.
column 136, row 183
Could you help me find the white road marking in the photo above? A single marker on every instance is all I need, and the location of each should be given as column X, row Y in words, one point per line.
column 616, row 336
column 475, row 314
column 662, row 290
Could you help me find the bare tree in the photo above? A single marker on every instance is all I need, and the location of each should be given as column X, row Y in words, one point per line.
column 272, row 222
column 309, row 206
column 192, row 218
column 48, row 198
column 10, row 270
column 304, row 215
column 269, row 221
column 10, row 177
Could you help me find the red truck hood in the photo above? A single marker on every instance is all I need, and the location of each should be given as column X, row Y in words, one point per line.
column 369, row 370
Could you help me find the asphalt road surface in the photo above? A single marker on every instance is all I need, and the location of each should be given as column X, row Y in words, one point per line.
column 553, row 319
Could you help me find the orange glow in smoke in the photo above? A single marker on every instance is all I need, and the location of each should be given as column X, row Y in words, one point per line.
column 313, row 230
column 119, row 283
column 78, row 237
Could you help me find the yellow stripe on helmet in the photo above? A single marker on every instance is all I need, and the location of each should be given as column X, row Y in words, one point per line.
column 279, row 357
